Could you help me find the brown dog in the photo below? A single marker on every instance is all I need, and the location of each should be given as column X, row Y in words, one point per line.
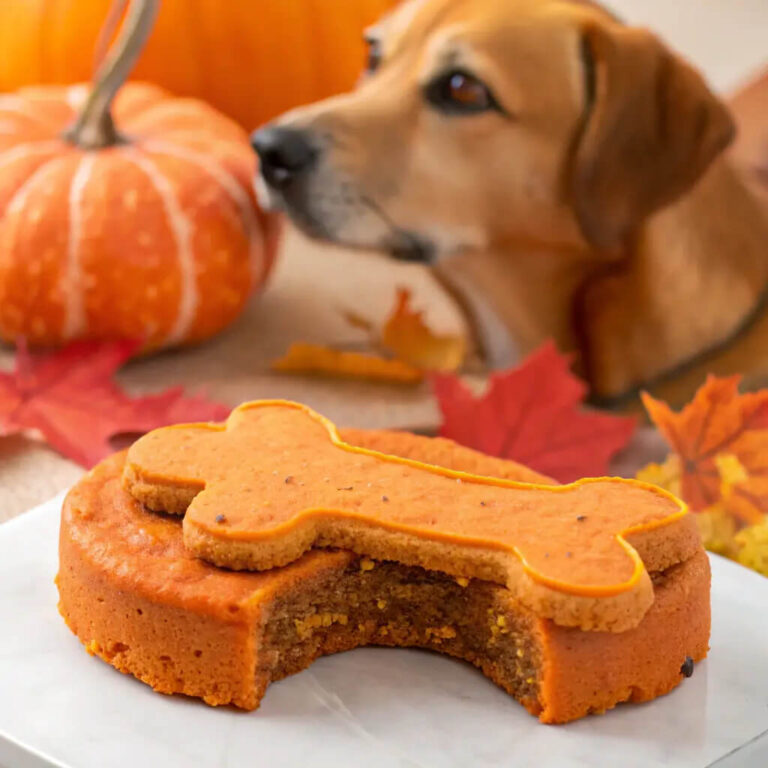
column 555, row 163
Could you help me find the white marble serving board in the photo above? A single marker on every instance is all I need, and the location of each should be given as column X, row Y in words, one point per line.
column 376, row 707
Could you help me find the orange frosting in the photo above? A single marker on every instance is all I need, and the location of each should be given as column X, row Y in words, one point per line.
column 277, row 467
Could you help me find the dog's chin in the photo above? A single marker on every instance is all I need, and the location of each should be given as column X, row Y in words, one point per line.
column 398, row 244
column 410, row 247
column 297, row 212
column 311, row 226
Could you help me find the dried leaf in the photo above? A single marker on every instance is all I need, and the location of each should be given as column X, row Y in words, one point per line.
column 752, row 542
column 405, row 335
column 719, row 465
column 719, row 422
column 716, row 526
column 408, row 337
column 326, row 361
column 666, row 475
column 533, row 414
column 70, row 399
column 356, row 320
column 718, row 530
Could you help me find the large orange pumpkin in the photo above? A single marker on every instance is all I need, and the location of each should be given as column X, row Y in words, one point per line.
column 250, row 58
column 142, row 227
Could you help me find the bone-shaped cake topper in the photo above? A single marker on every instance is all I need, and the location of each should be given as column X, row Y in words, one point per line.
column 277, row 480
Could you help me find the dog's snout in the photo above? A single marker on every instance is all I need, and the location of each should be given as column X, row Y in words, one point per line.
column 284, row 153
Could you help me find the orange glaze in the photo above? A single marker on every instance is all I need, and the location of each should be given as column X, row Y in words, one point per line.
column 569, row 537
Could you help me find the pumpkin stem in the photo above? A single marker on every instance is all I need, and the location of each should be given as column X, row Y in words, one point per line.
column 94, row 127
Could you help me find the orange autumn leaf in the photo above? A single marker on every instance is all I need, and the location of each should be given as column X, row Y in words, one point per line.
column 409, row 338
column 717, row 422
column 408, row 349
column 326, row 361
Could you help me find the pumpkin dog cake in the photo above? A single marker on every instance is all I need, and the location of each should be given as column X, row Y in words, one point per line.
column 586, row 596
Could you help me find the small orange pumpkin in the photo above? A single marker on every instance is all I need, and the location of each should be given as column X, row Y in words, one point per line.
column 142, row 227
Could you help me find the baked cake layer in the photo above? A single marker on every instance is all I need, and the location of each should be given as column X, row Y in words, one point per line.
column 277, row 480
column 135, row 597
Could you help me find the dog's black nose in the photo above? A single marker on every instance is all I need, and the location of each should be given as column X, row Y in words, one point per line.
column 284, row 153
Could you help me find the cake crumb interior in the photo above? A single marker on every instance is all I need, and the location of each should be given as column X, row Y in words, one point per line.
column 386, row 603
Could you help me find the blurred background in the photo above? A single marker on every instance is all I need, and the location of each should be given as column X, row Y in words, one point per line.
column 250, row 61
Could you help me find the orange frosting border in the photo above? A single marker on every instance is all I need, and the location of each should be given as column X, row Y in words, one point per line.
column 537, row 576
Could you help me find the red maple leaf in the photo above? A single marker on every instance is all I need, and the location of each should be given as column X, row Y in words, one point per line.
column 532, row 414
column 71, row 400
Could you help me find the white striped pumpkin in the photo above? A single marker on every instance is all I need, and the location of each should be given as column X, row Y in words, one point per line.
column 157, row 238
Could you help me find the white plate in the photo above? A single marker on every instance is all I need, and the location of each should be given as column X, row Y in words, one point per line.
column 375, row 707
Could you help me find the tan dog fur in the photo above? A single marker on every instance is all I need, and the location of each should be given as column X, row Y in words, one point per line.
column 597, row 210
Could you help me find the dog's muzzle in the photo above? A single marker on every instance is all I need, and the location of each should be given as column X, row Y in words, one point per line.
column 288, row 157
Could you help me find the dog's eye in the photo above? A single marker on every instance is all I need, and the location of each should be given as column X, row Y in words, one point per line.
column 374, row 55
column 460, row 93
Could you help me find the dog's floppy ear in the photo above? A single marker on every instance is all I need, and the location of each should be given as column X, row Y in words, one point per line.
column 652, row 126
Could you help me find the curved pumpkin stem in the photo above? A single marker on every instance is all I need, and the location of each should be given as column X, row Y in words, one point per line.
column 94, row 127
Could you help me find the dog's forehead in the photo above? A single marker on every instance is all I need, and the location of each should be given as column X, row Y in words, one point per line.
column 416, row 19
column 500, row 40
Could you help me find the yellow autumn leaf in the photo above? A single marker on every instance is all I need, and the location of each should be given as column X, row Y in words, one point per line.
column 409, row 338
column 752, row 543
column 718, row 529
column 304, row 358
column 666, row 475
column 721, row 530
column 731, row 472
